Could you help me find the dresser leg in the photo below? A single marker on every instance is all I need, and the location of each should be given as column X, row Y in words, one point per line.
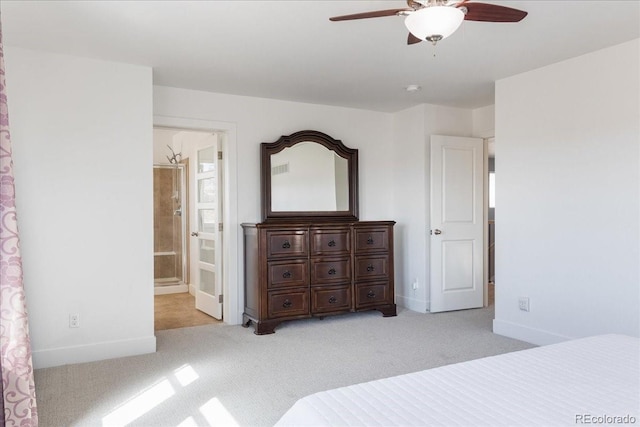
column 266, row 327
column 246, row 321
column 388, row 310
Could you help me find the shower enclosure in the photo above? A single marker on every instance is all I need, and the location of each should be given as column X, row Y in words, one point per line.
column 169, row 226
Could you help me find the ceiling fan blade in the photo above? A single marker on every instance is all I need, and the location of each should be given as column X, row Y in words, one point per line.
column 372, row 14
column 492, row 13
column 413, row 39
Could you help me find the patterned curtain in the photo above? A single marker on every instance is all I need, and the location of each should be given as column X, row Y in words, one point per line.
column 18, row 388
column 1, row 400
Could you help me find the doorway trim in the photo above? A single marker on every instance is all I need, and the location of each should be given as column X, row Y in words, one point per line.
column 487, row 137
column 485, row 199
column 231, row 301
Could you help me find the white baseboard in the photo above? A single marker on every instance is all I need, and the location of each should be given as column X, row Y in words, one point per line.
column 192, row 289
column 170, row 289
column 526, row 333
column 412, row 304
column 93, row 352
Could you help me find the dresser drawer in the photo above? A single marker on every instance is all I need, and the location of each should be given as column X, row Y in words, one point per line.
column 330, row 242
column 371, row 294
column 287, row 243
column 287, row 273
column 372, row 239
column 371, row 267
column 336, row 298
column 330, row 270
column 288, row 303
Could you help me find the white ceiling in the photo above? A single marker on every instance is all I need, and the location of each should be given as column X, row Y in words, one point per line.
column 290, row 50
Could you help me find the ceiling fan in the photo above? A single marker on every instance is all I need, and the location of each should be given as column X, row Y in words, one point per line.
column 434, row 20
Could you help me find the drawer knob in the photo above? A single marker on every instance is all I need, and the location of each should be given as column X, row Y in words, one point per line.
column 286, row 244
column 286, row 274
column 332, row 243
column 333, row 300
column 287, row 303
column 371, row 294
column 370, row 240
column 332, row 271
column 370, row 267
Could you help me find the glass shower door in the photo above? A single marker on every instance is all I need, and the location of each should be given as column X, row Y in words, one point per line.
column 169, row 226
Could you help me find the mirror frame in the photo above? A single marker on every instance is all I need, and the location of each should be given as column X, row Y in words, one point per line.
column 335, row 145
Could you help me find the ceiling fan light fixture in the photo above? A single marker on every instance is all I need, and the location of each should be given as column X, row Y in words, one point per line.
column 434, row 23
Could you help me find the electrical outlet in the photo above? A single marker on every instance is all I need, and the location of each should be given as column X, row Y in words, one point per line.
column 74, row 320
column 523, row 303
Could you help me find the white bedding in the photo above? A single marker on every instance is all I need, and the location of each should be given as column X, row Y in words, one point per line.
column 583, row 381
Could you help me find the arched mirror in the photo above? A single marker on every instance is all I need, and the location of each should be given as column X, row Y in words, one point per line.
column 310, row 175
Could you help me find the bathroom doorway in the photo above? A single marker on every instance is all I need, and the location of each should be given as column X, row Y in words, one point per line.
column 180, row 284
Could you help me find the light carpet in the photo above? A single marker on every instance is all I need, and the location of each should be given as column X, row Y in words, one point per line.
column 225, row 375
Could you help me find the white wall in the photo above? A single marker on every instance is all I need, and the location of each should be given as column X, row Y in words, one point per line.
column 82, row 146
column 567, row 139
column 411, row 158
column 484, row 121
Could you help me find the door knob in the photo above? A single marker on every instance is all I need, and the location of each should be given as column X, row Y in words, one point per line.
column 194, row 233
column 436, row 231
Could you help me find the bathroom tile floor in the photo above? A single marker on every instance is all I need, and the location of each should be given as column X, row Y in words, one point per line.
column 179, row 311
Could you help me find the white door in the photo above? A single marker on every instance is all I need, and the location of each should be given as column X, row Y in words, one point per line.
column 457, row 223
column 207, row 251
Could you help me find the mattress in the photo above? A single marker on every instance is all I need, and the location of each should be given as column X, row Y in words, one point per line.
column 593, row 380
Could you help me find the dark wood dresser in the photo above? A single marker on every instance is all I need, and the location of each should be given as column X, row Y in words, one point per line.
column 315, row 269
column 311, row 256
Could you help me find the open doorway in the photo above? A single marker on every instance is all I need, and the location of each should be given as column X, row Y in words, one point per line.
column 188, row 194
column 491, row 226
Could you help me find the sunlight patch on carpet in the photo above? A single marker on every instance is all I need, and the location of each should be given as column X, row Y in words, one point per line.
column 216, row 414
column 185, row 375
column 140, row 404
column 188, row 422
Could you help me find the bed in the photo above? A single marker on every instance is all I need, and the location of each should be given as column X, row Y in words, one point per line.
column 593, row 380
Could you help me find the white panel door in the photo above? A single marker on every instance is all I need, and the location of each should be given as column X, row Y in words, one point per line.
column 208, row 214
column 457, row 223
